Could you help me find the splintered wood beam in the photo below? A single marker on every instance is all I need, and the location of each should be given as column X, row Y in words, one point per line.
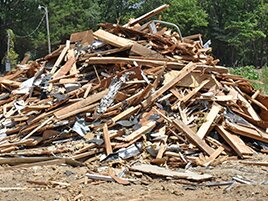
column 234, row 141
column 108, row 146
column 75, row 107
column 147, row 15
column 196, row 140
column 205, row 127
column 142, row 130
column 185, row 71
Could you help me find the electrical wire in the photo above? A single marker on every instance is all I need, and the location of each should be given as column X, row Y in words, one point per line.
column 30, row 34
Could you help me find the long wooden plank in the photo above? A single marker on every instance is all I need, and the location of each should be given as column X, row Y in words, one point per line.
column 194, row 91
column 247, row 132
column 71, row 109
column 196, row 140
column 67, row 66
column 214, row 156
column 112, row 39
column 147, row 15
column 153, row 169
column 107, row 140
column 60, row 58
column 205, row 127
column 152, row 63
column 142, row 130
column 124, row 43
column 185, row 71
column 234, row 141
column 125, row 113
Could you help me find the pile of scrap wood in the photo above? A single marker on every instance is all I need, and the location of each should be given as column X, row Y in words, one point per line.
column 132, row 95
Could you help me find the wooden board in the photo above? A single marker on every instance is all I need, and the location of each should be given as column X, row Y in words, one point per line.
column 74, row 108
column 142, row 130
column 247, row 132
column 107, row 140
column 196, row 140
column 234, row 141
column 152, row 169
column 205, row 127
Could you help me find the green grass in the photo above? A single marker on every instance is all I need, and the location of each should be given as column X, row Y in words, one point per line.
column 259, row 77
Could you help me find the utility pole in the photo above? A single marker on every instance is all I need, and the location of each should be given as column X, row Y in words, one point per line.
column 47, row 25
column 8, row 68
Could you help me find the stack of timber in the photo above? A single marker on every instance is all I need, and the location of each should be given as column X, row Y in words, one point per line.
column 139, row 96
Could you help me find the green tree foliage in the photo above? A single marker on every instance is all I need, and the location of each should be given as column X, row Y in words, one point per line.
column 238, row 29
column 188, row 15
column 234, row 25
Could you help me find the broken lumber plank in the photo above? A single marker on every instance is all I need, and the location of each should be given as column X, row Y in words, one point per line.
column 152, row 169
column 247, row 132
column 152, row 63
column 67, row 66
column 147, row 15
column 60, row 58
column 185, row 71
column 107, row 141
column 37, row 128
column 194, row 91
column 213, row 156
column 205, row 127
column 125, row 113
column 121, row 42
column 234, row 141
column 250, row 109
column 74, row 108
column 141, row 131
column 196, row 140
column 112, row 39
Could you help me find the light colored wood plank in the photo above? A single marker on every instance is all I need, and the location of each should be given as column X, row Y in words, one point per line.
column 112, row 39
column 125, row 113
column 60, row 58
column 234, row 141
column 152, row 169
column 185, row 71
column 196, row 140
column 74, row 108
column 248, row 132
column 142, row 130
column 205, row 127
column 67, row 66
column 107, row 140
column 214, row 156
column 194, row 91
column 147, row 15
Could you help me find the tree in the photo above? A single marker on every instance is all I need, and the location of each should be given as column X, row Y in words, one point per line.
column 233, row 26
column 188, row 15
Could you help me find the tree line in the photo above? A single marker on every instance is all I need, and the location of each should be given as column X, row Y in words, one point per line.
column 238, row 29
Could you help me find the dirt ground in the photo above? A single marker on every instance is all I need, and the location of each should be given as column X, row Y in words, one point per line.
column 144, row 188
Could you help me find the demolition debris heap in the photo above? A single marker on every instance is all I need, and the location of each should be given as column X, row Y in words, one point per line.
column 139, row 96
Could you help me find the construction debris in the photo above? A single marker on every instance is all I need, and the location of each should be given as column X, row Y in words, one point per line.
column 128, row 96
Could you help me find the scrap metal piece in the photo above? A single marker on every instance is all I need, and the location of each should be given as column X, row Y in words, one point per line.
column 114, row 87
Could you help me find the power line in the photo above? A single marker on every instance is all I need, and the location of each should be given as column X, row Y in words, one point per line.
column 30, row 34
